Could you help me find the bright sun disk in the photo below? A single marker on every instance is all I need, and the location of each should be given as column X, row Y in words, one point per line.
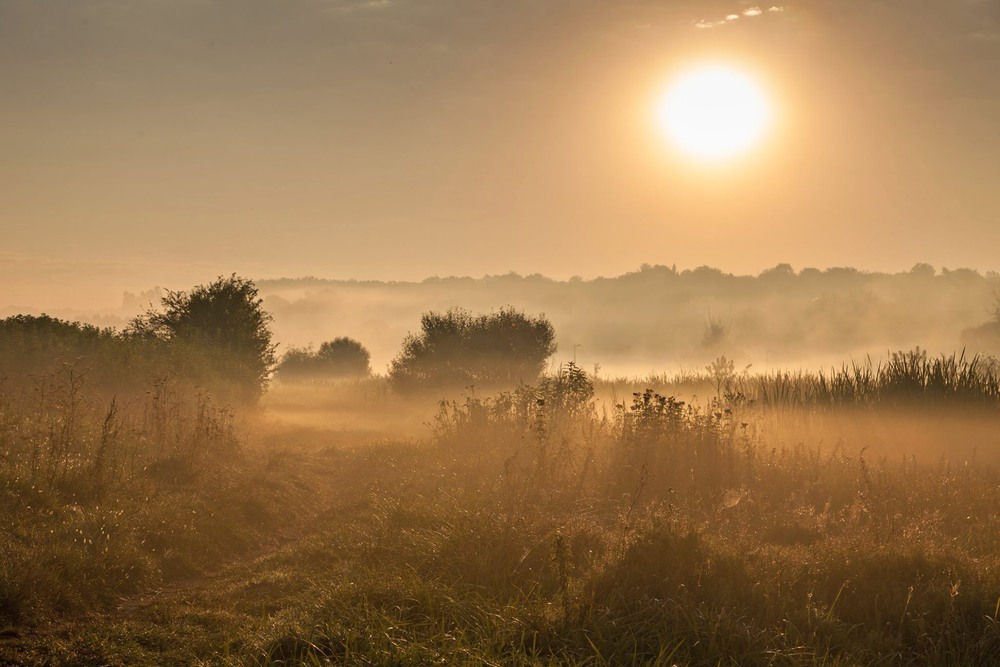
column 714, row 112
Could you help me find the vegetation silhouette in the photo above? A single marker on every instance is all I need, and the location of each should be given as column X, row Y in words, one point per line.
column 32, row 342
column 221, row 331
column 457, row 349
column 656, row 316
column 985, row 336
column 565, row 520
column 341, row 357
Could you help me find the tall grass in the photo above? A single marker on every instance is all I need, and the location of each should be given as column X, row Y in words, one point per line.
column 671, row 529
column 905, row 379
column 104, row 497
column 541, row 526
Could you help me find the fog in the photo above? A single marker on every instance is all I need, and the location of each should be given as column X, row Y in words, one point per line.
column 662, row 319
column 655, row 319
column 499, row 332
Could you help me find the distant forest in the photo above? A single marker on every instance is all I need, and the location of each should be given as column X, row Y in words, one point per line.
column 656, row 318
column 659, row 318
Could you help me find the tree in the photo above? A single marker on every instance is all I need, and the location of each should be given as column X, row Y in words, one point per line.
column 296, row 363
column 220, row 331
column 985, row 337
column 457, row 349
column 339, row 358
column 345, row 357
column 32, row 345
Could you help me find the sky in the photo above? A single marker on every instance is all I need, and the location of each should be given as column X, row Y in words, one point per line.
column 165, row 142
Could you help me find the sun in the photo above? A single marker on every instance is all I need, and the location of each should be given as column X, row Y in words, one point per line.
column 714, row 112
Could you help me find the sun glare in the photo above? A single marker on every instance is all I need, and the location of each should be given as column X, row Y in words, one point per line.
column 714, row 112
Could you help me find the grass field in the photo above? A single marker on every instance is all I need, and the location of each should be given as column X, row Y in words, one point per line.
column 573, row 522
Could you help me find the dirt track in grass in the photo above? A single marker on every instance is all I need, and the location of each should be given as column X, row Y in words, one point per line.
column 205, row 618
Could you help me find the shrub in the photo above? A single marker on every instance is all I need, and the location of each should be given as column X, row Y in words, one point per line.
column 296, row 363
column 339, row 358
column 219, row 331
column 30, row 344
column 345, row 357
column 457, row 349
column 35, row 346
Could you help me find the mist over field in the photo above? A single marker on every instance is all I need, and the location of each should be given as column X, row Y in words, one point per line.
column 655, row 319
column 658, row 318
column 176, row 491
column 510, row 332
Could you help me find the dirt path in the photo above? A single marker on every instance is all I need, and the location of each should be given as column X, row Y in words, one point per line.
column 195, row 619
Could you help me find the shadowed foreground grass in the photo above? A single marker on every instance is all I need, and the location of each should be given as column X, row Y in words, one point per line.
column 534, row 529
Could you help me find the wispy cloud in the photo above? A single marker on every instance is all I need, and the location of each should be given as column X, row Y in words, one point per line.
column 749, row 13
column 350, row 6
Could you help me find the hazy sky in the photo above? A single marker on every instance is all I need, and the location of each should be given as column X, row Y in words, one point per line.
column 164, row 142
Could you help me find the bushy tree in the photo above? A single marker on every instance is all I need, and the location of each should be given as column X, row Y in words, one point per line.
column 219, row 331
column 296, row 363
column 24, row 334
column 345, row 357
column 456, row 349
column 986, row 337
column 337, row 358
column 35, row 344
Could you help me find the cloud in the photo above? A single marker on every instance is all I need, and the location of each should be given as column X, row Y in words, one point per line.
column 749, row 13
column 352, row 6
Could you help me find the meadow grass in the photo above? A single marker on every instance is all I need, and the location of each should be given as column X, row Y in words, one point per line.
column 102, row 497
column 540, row 526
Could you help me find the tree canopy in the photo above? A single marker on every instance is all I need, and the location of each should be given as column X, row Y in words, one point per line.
column 221, row 332
column 457, row 349
column 338, row 358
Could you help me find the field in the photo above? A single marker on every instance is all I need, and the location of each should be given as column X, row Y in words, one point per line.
column 720, row 518
column 518, row 334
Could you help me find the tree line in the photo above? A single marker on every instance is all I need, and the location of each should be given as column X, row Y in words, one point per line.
column 218, row 337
